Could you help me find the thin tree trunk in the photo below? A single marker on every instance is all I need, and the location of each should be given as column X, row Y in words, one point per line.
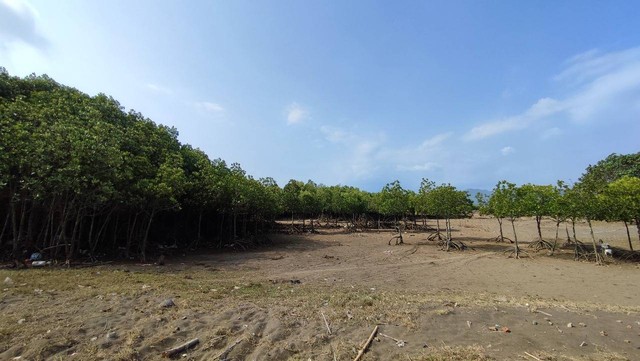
column 538, row 221
column 127, row 249
column 515, row 238
column 595, row 246
column 626, row 226
column 501, row 232
column 555, row 242
column 146, row 236
column 566, row 228
column 573, row 226
column 4, row 226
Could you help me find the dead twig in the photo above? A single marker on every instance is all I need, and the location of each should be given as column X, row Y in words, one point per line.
column 223, row 355
column 533, row 357
column 325, row 322
column 183, row 347
column 366, row 344
column 544, row 313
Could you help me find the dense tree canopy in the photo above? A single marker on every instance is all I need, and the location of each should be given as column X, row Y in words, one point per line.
column 79, row 175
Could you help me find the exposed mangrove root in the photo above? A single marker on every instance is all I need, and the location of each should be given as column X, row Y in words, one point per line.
column 541, row 244
column 436, row 236
column 499, row 239
column 397, row 237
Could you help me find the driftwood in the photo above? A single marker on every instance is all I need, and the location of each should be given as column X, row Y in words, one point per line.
column 366, row 344
column 183, row 347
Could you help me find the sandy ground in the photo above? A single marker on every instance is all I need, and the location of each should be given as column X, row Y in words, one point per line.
column 271, row 303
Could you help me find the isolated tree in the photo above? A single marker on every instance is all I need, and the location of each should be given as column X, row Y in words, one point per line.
column 446, row 202
column 393, row 201
column 536, row 201
column 505, row 203
column 621, row 199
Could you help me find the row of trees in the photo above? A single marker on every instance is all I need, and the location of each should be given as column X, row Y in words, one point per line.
column 608, row 191
column 79, row 174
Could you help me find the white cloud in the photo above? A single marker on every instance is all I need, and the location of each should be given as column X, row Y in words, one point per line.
column 507, row 150
column 605, row 85
column 159, row 89
column 435, row 141
column 425, row 167
column 296, row 113
column 18, row 23
column 210, row 107
column 551, row 133
column 333, row 134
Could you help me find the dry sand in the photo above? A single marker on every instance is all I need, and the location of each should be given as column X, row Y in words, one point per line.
column 268, row 304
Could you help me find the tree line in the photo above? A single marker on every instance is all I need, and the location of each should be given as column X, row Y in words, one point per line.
column 81, row 176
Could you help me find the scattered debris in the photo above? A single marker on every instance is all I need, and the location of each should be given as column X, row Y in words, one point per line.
column 181, row 348
column 534, row 322
column 8, row 281
column 582, row 324
column 583, row 344
column 112, row 335
column 604, row 333
column 544, row 313
column 21, row 321
column 469, row 324
column 570, row 325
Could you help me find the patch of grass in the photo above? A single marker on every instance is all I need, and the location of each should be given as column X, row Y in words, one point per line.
column 448, row 353
column 443, row 311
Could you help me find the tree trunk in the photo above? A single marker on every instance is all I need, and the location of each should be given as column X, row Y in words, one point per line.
column 566, row 228
column 595, row 246
column 626, row 226
column 515, row 238
column 573, row 226
column 538, row 222
column 501, row 232
column 4, row 226
column 127, row 250
column 143, row 247
column 555, row 242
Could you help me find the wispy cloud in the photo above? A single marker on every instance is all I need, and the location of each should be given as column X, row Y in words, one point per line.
column 507, row 150
column 159, row 89
column 425, row 167
column 210, row 107
column 296, row 113
column 603, row 84
column 18, row 22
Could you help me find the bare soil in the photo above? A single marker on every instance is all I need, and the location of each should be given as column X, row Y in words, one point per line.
column 271, row 303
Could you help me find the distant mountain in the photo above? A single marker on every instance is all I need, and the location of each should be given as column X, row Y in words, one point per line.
column 472, row 193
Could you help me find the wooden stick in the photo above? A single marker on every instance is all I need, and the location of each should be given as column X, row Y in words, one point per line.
column 530, row 355
column 387, row 336
column 366, row 344
column 183, row 347
column 223, row 354
column 325, row 322
column 544, row 313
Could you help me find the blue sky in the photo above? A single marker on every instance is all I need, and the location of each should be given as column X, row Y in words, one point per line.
column 357, row 92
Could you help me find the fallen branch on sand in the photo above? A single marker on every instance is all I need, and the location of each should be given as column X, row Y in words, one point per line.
column 183, row 347
column 366, row 344
column 223, row 354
